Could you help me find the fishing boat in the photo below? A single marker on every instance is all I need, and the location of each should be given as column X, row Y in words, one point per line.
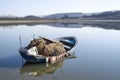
column 30, row 55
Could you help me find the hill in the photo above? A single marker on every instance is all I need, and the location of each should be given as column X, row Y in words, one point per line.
column 78, row 15
column 101, row 15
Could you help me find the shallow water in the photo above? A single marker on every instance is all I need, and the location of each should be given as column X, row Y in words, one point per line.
column 97, row 53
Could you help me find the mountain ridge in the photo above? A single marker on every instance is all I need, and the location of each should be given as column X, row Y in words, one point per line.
column 100, row 15
column 74, row 15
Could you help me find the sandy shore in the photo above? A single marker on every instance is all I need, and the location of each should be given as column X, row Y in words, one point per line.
column 54, row 21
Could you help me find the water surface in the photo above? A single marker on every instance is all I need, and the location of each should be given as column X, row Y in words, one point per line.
column 97, row 53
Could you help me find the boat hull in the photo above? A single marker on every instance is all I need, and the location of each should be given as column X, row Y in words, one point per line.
column 68, row 42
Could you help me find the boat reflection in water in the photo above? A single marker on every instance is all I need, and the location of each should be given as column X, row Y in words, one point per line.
column 40, row 69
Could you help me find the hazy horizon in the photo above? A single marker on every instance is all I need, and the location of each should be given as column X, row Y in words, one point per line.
column 46, row 7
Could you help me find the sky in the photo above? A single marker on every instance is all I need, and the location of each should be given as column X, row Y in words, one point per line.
column 46, row 7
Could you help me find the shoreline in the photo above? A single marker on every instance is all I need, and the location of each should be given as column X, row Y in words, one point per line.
column 44, row 21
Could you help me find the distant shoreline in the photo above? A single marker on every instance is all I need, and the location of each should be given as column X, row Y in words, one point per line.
column 45, row 21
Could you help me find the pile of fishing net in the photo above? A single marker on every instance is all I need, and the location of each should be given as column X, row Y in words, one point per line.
column 46, row 47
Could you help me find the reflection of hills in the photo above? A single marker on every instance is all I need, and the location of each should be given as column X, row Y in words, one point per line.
column 115, row 26
column 40, row 69
column 105, row 25
column 12, row 25
column 109, row 25
column 66, row 25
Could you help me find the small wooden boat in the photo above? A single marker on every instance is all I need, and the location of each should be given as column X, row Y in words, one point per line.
column 30, row 55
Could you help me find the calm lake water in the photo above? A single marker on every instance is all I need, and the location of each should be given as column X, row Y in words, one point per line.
column 97, row 53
